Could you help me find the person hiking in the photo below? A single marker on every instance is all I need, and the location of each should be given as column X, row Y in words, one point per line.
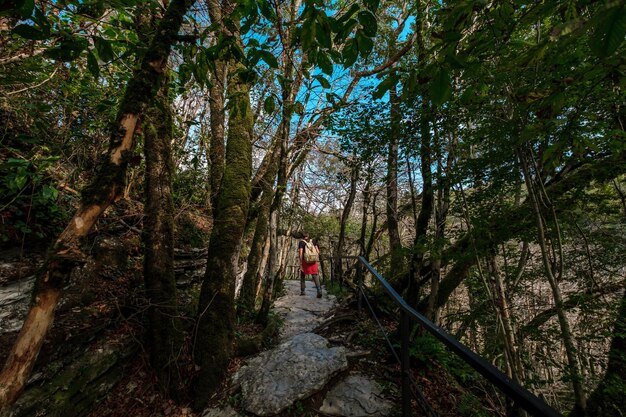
column 309, row 254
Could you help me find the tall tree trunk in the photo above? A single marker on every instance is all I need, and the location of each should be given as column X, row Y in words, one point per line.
column 216, row 311
column 164, row 332
column 372, row 238
column 395, row 244
column 354, row 177
column 426, row 209
column 106, row 188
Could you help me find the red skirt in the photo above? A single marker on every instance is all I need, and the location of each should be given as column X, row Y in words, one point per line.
column 309, row 268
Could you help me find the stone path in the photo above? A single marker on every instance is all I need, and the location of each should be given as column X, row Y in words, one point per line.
column 302, row 365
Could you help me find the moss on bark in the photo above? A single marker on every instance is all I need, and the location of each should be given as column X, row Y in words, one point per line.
column 164, row 332
column 216, row 318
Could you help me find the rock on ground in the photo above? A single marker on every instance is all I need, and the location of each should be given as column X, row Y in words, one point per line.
column 226, row 411
column 296, row 369
column 302, row 314
column 356, row 396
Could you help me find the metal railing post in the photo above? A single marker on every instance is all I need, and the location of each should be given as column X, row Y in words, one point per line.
column 405, row 365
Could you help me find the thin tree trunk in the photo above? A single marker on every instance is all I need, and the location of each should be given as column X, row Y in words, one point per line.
column 268, row 293
column 164, row 332
column 106, row 188
column 395, row 244
column 354, row 177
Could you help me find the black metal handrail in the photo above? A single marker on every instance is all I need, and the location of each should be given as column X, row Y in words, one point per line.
column 521, row 396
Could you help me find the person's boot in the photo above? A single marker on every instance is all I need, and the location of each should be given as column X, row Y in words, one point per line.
column 319, row 292
column 301, row 292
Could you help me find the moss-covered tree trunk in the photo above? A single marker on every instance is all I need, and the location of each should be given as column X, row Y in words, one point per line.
column 216, row 106
column 107, row 187
column 164, row 332
column 216, row 311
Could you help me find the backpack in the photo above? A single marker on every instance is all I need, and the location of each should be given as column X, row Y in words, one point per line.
column 310, row 253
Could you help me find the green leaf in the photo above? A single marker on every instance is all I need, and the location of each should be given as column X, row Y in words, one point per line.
column 269, row 105
column 42, row 21
column 298, row 108
column 307, row 35
column 269, row 58
column 29, row 32
column 383, row 87
column 610, row 32
column 92, row 65
column 346, row 30
column 347, row 15
column 440, row 87
column 368, row 21
column 267, row 10
column 323, row 31
column 323, row 81
column 350, row 53
column 364, row 43
column 104, row 48
column 372, row 5
column 25, row 8
column 324, row 63
column 68, row 50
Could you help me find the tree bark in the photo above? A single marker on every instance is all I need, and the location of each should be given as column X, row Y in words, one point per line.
column 104, row 190
column 395, row 244
column 216, row 310
column 164, row 332
column 216, row 147
column 354, row 177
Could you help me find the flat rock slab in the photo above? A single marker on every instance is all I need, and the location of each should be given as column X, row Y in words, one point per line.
column 296, row 369
column 301, row 314
column 356, row 396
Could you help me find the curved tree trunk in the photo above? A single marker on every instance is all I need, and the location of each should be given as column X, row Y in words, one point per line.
column 104, row 190
column 164, row 332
